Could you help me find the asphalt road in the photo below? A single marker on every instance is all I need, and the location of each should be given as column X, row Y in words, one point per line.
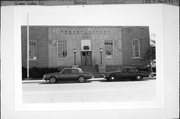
column 96, row 90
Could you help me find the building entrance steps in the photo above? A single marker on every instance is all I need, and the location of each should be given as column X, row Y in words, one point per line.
column 91, row 69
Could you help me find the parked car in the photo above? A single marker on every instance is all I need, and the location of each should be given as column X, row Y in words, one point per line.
column 126, row 73
column 68, row 74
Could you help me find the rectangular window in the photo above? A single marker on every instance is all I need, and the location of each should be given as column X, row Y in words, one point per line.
column 32, row 50
column 136, row 48
column 62, row 49
column 108, row 48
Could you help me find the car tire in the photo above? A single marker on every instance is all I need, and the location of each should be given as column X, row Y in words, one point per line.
column 139, row 78
column 81, row 79
column 112, row 78
column 52, row 80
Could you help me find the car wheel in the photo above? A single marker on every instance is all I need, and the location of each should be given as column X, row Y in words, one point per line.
column 81, row 79
column 138, row 77
column 52, row 80
column 112, row 78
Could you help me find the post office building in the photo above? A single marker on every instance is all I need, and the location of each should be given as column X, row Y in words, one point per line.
column 61, row 46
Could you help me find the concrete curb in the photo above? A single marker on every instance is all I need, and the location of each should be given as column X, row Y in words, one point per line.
column 40, row 80
column 33, row 81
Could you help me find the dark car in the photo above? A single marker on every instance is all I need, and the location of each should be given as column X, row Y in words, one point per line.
column 68, row 74
column 126, row 73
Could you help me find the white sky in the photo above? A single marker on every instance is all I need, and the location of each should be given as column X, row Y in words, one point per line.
column 91, row 15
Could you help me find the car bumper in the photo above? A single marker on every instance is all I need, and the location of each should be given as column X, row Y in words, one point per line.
column 44, row 79
column 89, row 77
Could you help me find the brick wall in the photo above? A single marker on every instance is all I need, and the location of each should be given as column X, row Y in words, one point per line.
column 47, row 37
column 74, row 34
column 130, row 33
column 40, row 35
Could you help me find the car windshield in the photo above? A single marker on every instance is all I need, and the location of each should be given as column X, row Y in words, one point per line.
column 62, row 71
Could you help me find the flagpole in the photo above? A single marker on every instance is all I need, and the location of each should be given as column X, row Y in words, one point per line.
column 27, row 45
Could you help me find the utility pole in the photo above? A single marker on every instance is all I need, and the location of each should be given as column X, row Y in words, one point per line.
column 27, row 45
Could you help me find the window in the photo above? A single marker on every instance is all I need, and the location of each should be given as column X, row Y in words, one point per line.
column 74, row 71
column 70, row 71
column 80, row 70
column 108, row 48
column 62, row 49
column 32, row 50
column 66, row 71
column 136, row 48
column 124, row 70
column 132, row 69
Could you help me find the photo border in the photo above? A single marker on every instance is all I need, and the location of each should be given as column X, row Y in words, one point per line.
column 140, row 12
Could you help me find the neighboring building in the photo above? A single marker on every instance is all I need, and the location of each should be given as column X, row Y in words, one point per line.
column 56, row 46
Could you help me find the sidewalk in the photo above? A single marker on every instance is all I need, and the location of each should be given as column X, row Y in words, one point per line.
column 33, row 81
column 40, row 80
column 92, row 79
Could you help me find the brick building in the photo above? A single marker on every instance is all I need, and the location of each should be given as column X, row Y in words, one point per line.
column 61, row 46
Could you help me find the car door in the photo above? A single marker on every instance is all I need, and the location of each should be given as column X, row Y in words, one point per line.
column 65, row 74
column 73, row 74
column 122, row 73
column 125, row 73
column 132, row 73
column 69, row 74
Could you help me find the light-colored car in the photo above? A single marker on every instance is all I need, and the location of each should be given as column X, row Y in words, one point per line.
column 68, row 74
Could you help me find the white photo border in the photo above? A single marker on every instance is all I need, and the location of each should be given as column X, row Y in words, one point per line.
column 111, row 17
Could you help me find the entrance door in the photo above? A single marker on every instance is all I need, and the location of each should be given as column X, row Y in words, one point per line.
column 86, row 58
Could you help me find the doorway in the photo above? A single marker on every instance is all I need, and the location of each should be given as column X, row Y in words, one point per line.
column 86, row 58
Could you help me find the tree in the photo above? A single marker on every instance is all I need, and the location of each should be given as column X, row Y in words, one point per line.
column 150, row 54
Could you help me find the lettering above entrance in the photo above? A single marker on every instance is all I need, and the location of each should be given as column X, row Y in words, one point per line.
column 86, row 45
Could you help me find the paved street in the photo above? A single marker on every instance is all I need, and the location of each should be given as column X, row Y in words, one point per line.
column 96, row 90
